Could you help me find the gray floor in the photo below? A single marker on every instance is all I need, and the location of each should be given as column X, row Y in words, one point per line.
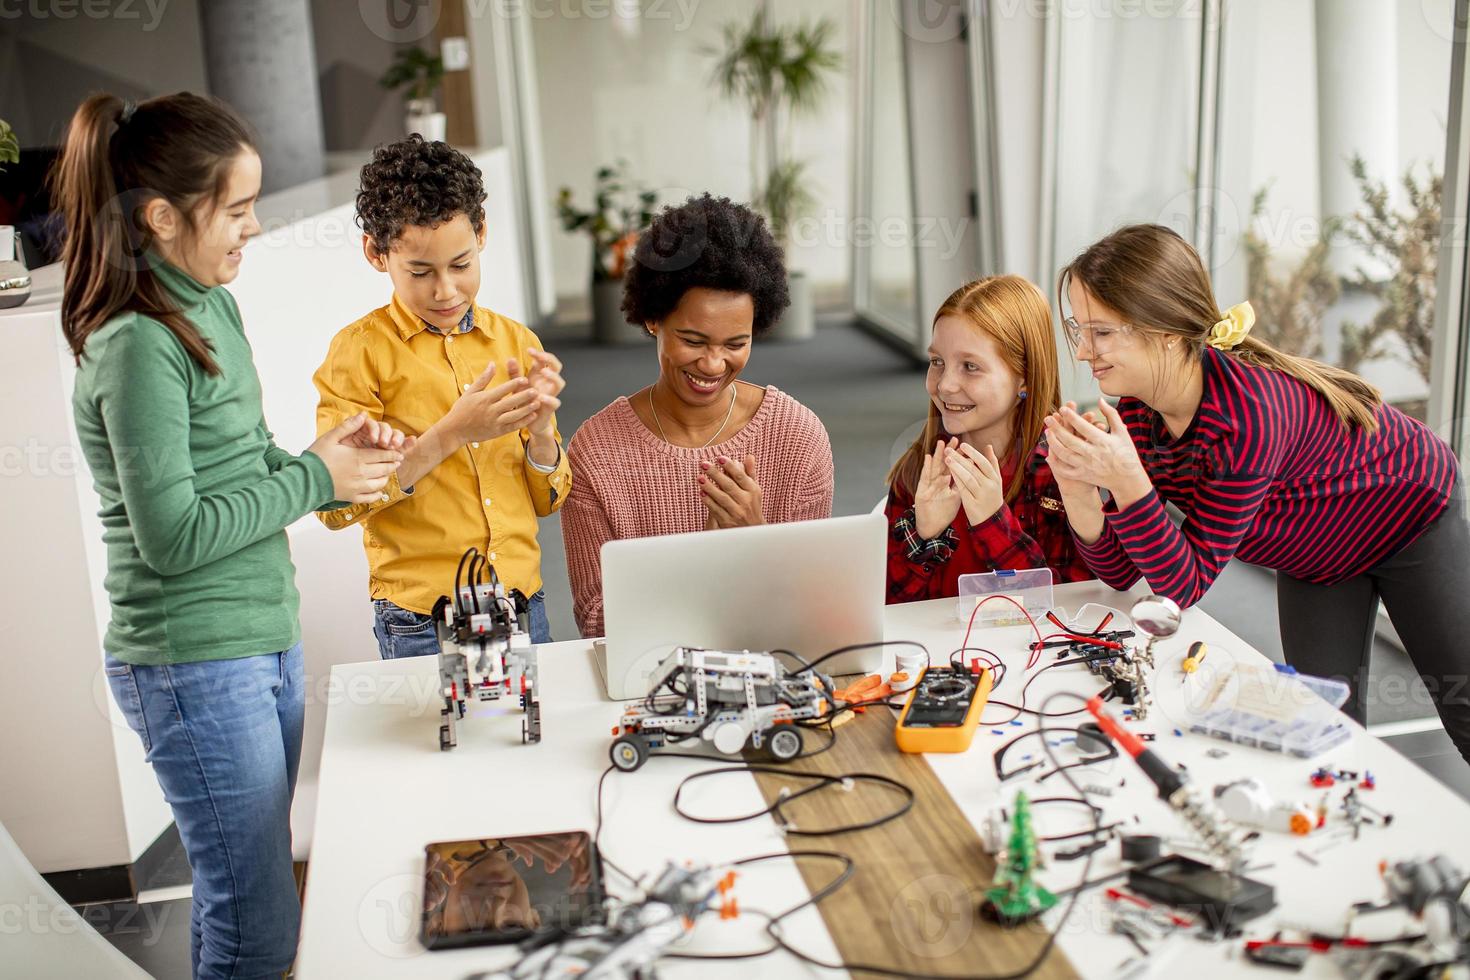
column 872, row 401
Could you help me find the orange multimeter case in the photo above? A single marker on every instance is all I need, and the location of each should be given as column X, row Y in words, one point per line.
column 943, row 710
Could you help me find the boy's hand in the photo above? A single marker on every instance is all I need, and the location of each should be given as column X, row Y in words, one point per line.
column 545, row 377
column 481, row 415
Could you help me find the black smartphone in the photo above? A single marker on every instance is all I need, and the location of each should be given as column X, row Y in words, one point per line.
column 504, row 889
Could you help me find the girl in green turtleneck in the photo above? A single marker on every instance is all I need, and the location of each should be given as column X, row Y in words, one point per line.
column 202, row 651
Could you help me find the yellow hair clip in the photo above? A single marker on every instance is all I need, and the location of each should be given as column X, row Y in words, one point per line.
column 1229, row 332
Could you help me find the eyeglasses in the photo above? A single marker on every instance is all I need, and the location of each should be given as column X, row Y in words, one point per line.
column 1100, row 336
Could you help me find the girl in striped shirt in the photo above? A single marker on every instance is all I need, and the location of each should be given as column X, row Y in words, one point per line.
column 1281, row 461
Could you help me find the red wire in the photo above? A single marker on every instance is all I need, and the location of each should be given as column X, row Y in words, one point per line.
column 1035, row 653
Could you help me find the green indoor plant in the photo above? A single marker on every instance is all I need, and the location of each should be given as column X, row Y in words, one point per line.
column 9, row 144
column 778, row 72
column 15, row 278
column 418, row 74
column 621, row 209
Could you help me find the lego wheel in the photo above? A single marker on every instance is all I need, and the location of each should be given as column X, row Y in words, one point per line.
column 785, row 744
column 629, row 752
column 444, row 743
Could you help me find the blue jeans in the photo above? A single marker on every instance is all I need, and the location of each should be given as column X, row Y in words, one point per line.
column 224, row 740
column 405, row 633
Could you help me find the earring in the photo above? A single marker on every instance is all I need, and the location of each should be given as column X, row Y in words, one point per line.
column 1021, row 395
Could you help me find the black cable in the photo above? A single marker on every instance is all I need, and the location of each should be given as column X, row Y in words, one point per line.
column 1022, row 709
column 861, row 646
column 820, row 781
column 849, row 867
column 597, row 832
column 459, row 580
column 998, row 758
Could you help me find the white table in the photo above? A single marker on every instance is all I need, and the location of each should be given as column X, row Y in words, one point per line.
column 386, row 790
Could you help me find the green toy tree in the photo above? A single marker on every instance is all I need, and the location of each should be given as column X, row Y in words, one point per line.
column 1016, row 897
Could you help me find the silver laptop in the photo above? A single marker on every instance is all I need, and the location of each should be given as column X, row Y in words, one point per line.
column 809, row 587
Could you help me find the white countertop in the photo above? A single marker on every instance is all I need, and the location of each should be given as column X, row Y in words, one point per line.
column 386, row 790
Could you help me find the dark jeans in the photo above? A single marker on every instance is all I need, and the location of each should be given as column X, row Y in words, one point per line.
column 1328, row 629
column 405, row 633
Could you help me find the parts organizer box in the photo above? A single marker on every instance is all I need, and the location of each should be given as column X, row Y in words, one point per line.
column 1029, row 587
column 1277, row 710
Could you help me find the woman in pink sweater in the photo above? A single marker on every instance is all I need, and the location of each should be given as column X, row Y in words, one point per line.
column 697, row 449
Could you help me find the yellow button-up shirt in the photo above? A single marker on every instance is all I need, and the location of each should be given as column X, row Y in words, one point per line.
column 486, row 495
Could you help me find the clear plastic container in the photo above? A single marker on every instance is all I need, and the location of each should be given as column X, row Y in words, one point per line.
column 1278, row 710
column 1031, row 588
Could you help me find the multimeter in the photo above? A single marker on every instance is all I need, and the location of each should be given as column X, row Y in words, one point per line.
column 943, row 710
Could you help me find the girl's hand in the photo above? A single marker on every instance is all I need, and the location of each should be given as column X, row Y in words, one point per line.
column 731, row 492
column 936, row 500
column 358, row 475
column 377, row 435
column 1081, row 452
column 977, row 477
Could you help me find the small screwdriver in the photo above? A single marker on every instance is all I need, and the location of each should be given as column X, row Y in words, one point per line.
column 1195, row 657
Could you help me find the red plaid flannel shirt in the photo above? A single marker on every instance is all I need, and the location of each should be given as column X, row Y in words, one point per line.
column 1030, row 532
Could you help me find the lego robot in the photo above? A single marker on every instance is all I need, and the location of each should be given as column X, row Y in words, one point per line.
column 727, row 698
column 485, row 649
column 635, row 935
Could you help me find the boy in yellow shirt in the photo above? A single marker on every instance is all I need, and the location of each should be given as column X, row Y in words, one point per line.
column 474, row 391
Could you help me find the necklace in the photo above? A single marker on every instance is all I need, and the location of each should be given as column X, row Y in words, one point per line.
column 654, row 408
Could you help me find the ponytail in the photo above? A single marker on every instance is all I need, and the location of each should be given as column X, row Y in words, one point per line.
column 1157, row 281
column 1354, row 401
column 116, row 159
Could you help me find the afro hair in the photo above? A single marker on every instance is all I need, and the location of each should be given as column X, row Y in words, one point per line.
column 413, row 182
column 708, row 242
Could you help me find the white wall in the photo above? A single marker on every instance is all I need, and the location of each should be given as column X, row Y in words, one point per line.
column 74, row 790
column 637, row 88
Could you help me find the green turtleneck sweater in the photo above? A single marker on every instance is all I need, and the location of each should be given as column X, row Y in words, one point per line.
column 195, row 494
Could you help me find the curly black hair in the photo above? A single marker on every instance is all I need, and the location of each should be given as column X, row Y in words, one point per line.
column 417, row 182
column 711, row 242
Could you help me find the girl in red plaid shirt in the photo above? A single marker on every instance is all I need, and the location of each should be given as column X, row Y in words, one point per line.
column 974, row 492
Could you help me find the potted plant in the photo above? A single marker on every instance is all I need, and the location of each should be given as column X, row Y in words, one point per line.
column 620, row 210
column 15, row 278
column 419, row 74
column 779, row 72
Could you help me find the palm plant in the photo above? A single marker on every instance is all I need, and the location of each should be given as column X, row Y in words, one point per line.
column 779, row 72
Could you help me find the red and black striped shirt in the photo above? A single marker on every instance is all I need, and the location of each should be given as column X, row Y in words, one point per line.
column 1266, row 473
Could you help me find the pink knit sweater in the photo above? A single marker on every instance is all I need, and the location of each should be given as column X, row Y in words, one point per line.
column 629, row 483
